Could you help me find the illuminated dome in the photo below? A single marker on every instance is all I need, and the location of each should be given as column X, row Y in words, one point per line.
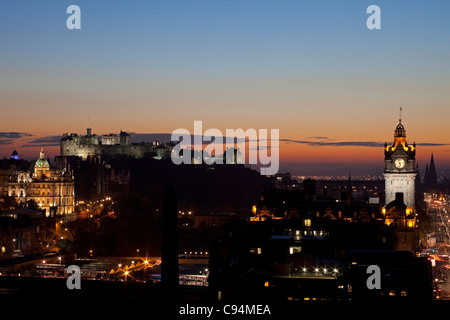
column 15, row 155
column 42, row 162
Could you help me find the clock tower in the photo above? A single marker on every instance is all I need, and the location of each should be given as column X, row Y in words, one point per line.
column 400, row 168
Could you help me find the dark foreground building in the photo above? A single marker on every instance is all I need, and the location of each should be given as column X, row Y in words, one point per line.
column 314, row 260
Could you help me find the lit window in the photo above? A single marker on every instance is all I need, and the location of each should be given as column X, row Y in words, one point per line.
column 307, row 222
column 293, row 250
column 255, row 250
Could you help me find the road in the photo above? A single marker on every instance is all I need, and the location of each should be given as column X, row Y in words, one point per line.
column 438, row 245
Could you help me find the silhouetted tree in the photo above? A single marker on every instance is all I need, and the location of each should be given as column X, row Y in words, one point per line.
column 7, row 202
column 32, row 205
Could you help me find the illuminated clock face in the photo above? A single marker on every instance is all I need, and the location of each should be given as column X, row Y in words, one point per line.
column 399, row 163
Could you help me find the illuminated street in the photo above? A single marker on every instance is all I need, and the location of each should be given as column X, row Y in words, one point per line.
column 438, row 243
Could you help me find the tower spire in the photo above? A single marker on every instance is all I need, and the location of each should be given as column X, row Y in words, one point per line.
column 432, row 176
column 400, row 115
column 400, row 168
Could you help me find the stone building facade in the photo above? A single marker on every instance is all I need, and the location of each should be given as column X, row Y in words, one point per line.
column 53, row 190
column 110, row 145
column 400, row 168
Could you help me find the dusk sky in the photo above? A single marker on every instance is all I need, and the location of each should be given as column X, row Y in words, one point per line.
column 311, row 69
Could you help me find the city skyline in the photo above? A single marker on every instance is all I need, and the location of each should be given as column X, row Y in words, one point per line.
column 314, row 71
column 335, row 167
column 309, row 166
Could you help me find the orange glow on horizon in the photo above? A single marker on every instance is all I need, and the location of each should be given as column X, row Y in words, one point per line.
column 288, row 152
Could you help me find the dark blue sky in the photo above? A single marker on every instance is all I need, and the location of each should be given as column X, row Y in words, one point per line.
column 308, row 68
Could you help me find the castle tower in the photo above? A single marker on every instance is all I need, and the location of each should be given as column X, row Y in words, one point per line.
column 400, row 168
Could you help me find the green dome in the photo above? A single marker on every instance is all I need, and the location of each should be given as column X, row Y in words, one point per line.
column 42, row 162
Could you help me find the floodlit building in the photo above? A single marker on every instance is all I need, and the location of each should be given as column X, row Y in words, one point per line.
column 400, row 168
column 52, row 190
column 110, row 145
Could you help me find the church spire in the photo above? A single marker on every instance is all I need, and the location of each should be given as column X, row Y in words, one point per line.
column 432, row 176
column 432, row 161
